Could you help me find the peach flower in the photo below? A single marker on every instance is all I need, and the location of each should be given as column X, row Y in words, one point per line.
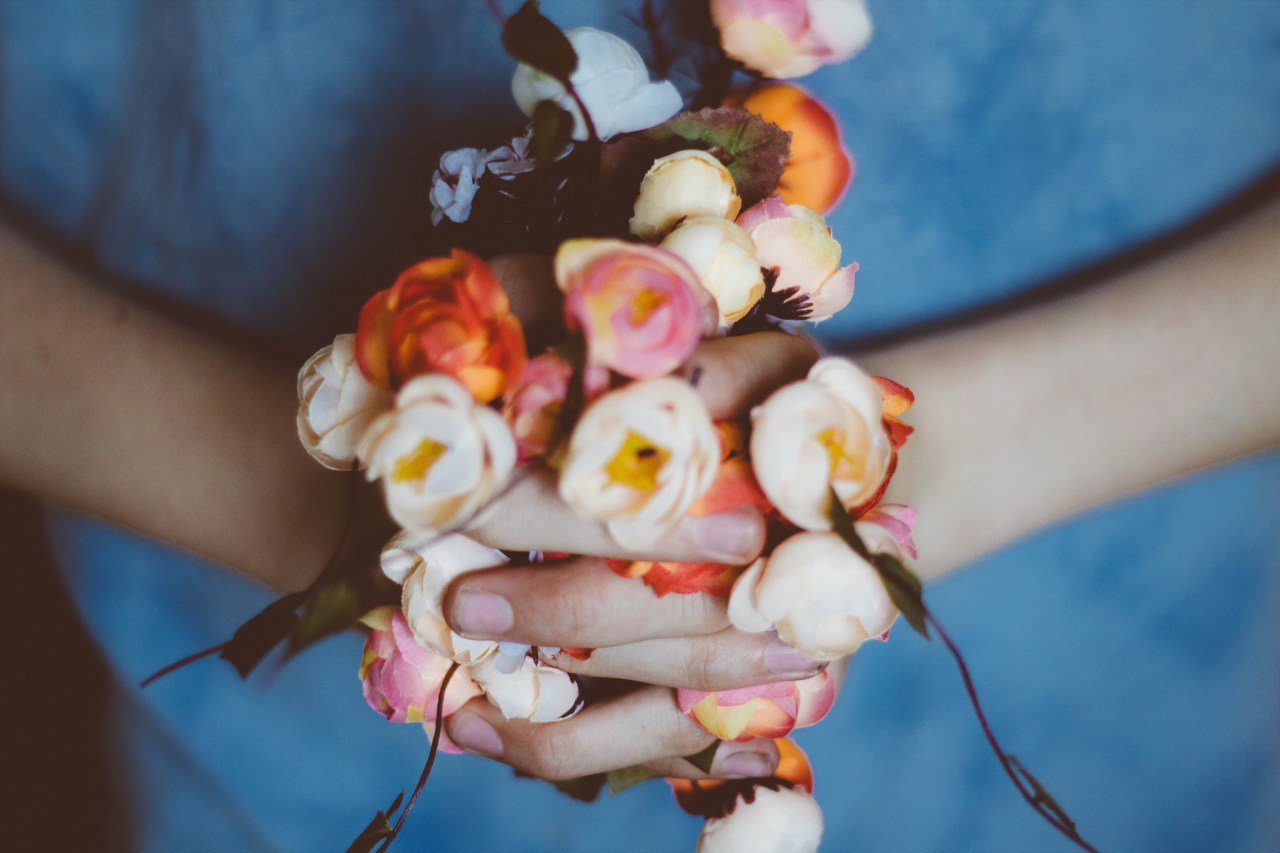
column 764, row 710
column 790, row 38
column 402, row 678
column 796, row 242
column 684, row 184
column 336, row 404
column 535, row 691
column 533, row 410
column 724, row 257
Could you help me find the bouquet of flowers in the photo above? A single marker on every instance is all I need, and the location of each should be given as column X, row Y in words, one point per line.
column 671, row 219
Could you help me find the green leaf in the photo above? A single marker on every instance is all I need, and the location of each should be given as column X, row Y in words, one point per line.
column 904, row 588
column 702, row 760
column 626, row 777
column 754, row 151
column 552, row 128
column 333, row 608
column 378, row 828
column 255, row 638
column 534, row 40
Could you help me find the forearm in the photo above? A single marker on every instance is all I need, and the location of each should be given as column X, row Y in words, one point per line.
column 112, row 409
column 1035, row 416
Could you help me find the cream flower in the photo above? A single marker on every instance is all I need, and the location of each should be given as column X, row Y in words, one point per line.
column 638, row 459
column 821, row 433
column 822, row 598
column 782, row 821
column 686, row 183
column 336, row 404
column 724, row 257
column 440, row 456
column 535, row 691
column 612, row 81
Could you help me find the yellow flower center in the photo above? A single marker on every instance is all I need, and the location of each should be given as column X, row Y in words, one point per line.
column 416, row 465
column 644, row 304
column 843, row 464
column 637, row 463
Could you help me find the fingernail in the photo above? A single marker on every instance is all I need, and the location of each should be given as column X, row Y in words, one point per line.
column 742, row 764
column 471, row 733
column 781, row 659
column 476, row 611
column 731, row 537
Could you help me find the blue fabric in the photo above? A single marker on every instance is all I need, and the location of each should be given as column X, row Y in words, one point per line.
column 267, row 163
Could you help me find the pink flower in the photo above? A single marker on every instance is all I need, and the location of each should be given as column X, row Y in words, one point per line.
column 796, row 242
column 765, row 710
column 790, row 38
column 533, row 411
column 336, row 404
column 402, row 678
column 641, row 308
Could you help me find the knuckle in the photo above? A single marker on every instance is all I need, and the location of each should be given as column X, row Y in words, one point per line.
column 549, row 755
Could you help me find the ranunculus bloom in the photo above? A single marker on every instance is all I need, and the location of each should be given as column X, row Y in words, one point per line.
column 336, row 404
column 764, row 710
column 724, row 257
column 790, row 38
column 825, row 432
column 796, row 242
column 402, row 678
column 533, row 410
column 535, row 691
column 425, row 564
column 819, row 167
column 440, row 456
column 785, row 820
column 641, row 308
column 822, row 598
column 612, row 81
column 639, row 458
column 444, row 315
column 684, row 184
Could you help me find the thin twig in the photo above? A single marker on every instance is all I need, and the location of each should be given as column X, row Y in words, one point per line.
column 179, row 664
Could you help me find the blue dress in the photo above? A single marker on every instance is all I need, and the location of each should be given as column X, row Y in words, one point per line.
column 267, row 163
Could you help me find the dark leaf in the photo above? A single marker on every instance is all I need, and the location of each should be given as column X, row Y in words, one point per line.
column 702, row 760
column 584, row 789
column 255, row 638
column 378, row 828
column 620, row 780
column 1040, row 795
column 552, row 128
column 754, row 150
column 534, row 40
column 333, row 608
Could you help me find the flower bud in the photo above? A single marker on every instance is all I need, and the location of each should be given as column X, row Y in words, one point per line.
column 790, row 38
column 402, row 678
column 724, row 257
column 336, row 404
column 785, row 820
column 684, row 184
column 764, row 710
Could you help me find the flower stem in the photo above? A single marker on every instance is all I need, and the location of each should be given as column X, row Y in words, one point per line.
column 179, row 664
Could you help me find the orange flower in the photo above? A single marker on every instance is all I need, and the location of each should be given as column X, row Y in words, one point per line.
column 820, row 168
column 713, row 797
column 443, row 315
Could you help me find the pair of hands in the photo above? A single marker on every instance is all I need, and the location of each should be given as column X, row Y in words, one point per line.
column 679, row 640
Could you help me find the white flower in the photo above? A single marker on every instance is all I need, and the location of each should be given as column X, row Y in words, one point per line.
column 821, row 433
column 686, row 183
column 512, row 159
column 638, row 459
column 455, row 182
column 336, row 404
column 440, row 456
column 724, row 258
column 535, row 691
column 612, row 81
column 782, row 821
column 823, row 599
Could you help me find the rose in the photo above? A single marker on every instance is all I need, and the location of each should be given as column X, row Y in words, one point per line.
column 825, row 432
column 764, row 710
column 796, row 242
column 425, row 564
column 336, row 404
column 686, row 183
column 439, row 455
column 638, row 459
column 444, row 315
column 782, row 820
column 819, row 168
column 724, row 257
column 641, row 308
column 612, row 81
column 535, row 691
column 401, row 678
column 533, row 410
column 822, row 598
column 790, row 38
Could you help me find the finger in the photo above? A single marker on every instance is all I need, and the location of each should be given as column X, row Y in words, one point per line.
column 735, row 373
column 579, row 602
column 530, row 516
column 636, row 728
column 721, row 661
column 752, row 759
